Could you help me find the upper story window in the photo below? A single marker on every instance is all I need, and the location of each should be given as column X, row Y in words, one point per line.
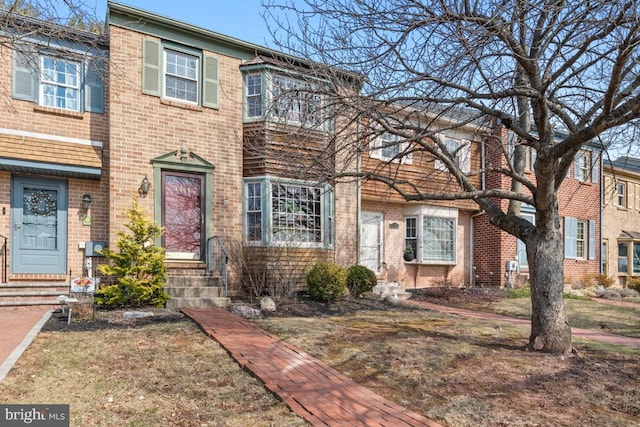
column 288, row 212
column 585, row 167
column 621, row 199
column 53, row 80
column 579, row 239
column 181, row 76
column 459, row 150
column 295, row 101
column 387, row 147
column 254, row 95
column 179, row 73
column 60, row 83
column 275, row 97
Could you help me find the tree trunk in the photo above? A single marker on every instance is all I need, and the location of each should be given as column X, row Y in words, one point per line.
column 550, row 331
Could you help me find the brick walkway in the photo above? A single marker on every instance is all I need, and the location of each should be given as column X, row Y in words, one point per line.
column 313, row 390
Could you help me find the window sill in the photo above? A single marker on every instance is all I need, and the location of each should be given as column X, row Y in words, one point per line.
column 183, row 105
column 432, row 263
column 58, row 111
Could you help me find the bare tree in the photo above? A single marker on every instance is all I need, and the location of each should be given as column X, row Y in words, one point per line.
column 558, row 76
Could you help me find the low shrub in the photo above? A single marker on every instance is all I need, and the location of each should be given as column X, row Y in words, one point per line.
column 360, row 280
column 326, row 281
column 633, row 283
column 593, row 280
column 524, row 292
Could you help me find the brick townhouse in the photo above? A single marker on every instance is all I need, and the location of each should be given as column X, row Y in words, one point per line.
column 418, row 244
column 54, row 164
column 171, row 125
column 621, row 219
column 500, row 258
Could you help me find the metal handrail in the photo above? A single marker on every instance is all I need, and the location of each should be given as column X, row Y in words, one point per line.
column 4, row 259
column 217, row 259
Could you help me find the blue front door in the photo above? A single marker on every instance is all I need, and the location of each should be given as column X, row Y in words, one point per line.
column 38, row 226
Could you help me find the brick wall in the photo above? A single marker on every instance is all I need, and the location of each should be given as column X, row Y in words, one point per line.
column 48, row 124
column 144, row 127
column 493, row 247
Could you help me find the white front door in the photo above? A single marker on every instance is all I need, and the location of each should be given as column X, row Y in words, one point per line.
column 371, row 240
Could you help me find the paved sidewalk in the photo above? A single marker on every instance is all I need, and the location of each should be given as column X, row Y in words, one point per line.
column 313, row 390
column 18, row 327
column 576, row 332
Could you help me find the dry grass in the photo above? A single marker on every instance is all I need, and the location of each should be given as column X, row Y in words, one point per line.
column 460, row 372
column 165, row 374
column 464, row 372
column 585, row 314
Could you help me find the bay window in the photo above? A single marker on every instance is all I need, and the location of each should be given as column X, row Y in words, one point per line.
column 431, row 233
column 281, row 98
column 629, row 258
column 284, row 212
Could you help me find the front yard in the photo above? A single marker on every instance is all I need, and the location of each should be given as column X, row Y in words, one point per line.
column 458, row 371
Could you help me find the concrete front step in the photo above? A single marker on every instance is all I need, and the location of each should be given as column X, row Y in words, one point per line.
column 194, row 292
column 392, row 290
column 17, row 294
column 23, row 303
column 195, row 281
column 220, row 302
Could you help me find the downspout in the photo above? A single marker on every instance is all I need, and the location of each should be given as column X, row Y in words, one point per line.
column 600, row 180
column 473, row 217
column 358, row 195
column 471, row 248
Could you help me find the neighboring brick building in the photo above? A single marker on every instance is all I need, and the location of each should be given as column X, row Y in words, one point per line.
column 579, row 209
column 54, row 133
column 437, row 233
column 621, row 219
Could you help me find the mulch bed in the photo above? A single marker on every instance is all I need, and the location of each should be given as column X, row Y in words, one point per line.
column 301, row 306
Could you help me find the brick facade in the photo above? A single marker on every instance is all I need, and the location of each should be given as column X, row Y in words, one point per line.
column 494, row 247
column 31, row 136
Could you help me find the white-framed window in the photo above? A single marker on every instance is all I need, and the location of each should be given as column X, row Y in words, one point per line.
column 581, row 236
column 411, row 235
column 280, row 212
column 387, row 147
column 585, row 167
column 621, row 198
column 629, row 257
column 579, row 239
column 294, row 101
column 254, row 95
column 459, row 149
column 60, row 83
column 432, row 233
column 438, row 239
column 52, row 79
column 530, row 159
column 181, row 73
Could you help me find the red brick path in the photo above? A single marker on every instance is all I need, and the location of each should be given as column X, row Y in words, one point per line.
column 313, row 390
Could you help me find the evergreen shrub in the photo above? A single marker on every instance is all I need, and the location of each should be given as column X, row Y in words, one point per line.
column 326, row 281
